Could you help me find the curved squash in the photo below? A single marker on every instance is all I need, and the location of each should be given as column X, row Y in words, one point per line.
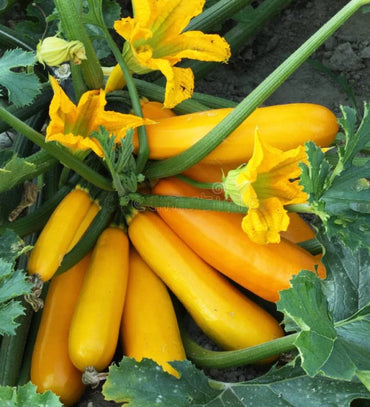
column 224, row 314
column 262, row 269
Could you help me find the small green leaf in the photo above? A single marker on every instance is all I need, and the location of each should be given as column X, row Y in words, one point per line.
column 22, row 86
column 26, row 396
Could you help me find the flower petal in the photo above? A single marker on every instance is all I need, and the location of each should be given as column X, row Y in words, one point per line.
column 118, row 123
column 77, row 143
column 62, row 111
column 263, row 225
column 180, row 82
column 195, row 45
column 170, row 17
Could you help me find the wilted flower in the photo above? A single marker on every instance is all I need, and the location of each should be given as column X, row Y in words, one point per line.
column 53, row 51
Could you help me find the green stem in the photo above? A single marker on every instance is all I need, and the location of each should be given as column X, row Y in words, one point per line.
column 10, row 38
column 75, row 30
column 143, row 152
column 313, row 246
column 240, row 34
column 176, row 165
column 63, row 155
column 206, row 358
column 199, row 184
column 217, row 14
column 12, row 349
column 167, row 201
column 301, row 208
column 156, row 92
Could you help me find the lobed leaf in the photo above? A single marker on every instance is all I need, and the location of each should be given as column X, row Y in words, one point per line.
column 26, row 396
column 13, row 282
column 22, row 86
column 12, row 169
column 144, row 384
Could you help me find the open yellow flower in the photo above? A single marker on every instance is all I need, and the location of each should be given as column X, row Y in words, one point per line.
column 72, row 125
column 155, row 41
column 267, row 183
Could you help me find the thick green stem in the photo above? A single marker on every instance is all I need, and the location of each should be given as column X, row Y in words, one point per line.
column 75, row 30
column 10, row 38
column 143, row 152
column 239, row 35
column 168, row 201
column 63, row 155
column 176, row 165
column 217, row 14
column 206, row 358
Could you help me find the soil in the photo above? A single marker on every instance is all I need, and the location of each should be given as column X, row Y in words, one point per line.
column 337, row 74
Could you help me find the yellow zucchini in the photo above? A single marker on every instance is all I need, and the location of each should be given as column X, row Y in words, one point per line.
column 55, row 239
column 282, row 126
column 149, row 326
column 96, row 321
column 224, row 314
column 51, row 367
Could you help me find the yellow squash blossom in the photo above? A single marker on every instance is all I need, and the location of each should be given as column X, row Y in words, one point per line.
column 155, row 41
column 267, row 183
column 72, row 125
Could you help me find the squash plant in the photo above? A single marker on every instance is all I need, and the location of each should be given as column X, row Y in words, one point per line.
column 121, row 187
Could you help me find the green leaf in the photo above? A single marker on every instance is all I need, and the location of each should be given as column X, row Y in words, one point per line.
column 144, row 384
column 9, row 312
column 11, row 246
column 336, row 350
column 26, row 396
column 22, row 86
column 13, row 282
column 340, row 193
column 355, row 140
column 346, row 286
column 13, row 168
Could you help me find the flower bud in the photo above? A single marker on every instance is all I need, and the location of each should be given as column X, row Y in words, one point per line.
column 233, row 189
column 53, row 51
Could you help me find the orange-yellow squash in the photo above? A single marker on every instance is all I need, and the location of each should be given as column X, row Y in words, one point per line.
column 224, row 314
column 51, row 367
column 217, row 237
column 55, row 239
column 298, row 230
column 155, row 110
column 149, row 326
column 283, row 126
column 96, row 321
